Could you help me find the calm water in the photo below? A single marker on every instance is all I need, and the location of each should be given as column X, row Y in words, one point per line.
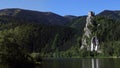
column 81, row 63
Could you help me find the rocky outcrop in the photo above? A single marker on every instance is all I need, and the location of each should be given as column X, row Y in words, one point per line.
column 89, row 39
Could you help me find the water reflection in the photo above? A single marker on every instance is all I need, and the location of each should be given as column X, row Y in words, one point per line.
column 95, row 63
column 81, row 63
column 90, row 63
column 76, row 63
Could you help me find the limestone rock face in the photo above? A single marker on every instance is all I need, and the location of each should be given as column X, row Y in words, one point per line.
column 89, row 38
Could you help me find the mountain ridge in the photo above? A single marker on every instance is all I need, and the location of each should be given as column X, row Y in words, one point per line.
column 112, row 14
column 39, row 17
column 50, row 17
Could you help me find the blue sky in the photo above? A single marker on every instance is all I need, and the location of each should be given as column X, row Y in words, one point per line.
column 63, row 7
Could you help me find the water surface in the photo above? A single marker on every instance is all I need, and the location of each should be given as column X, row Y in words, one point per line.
column 81, row 63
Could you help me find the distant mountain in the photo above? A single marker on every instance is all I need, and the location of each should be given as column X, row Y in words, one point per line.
column 70, row 17
column 52, row 18
column 110, row 14
column 79, row 22
column 35, row 16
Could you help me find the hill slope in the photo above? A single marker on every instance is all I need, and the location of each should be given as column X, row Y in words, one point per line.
column 35, row 16
column 110, row 14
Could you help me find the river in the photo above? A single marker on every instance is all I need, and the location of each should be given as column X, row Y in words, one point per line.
column 81, row 63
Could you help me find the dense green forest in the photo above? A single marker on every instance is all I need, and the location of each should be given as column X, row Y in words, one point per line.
column 29, row 42
column 25, row 41
column 57, row 41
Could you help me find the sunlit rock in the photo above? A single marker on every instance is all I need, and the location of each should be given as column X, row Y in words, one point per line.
column 89, row 38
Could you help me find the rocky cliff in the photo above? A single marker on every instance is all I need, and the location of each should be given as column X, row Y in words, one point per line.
column 89, row 38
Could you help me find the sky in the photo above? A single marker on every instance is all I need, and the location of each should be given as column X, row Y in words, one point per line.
column 63, row 7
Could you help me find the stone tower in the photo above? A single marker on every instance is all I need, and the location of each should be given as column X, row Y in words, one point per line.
column 89, row 38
